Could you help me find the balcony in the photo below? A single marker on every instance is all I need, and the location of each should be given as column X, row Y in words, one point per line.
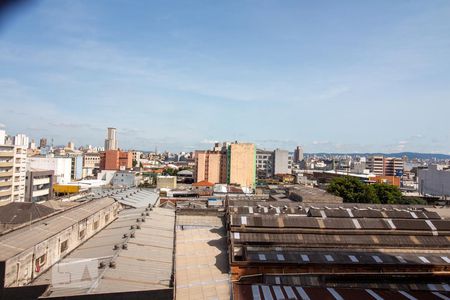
column 5, row 183
column 5, row 192
column 6, row 163
column 6, row 174
column 42, row 192
column 6, row 154
column 39, row 181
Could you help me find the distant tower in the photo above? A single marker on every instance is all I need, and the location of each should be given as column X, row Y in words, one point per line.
column 298, row 154
column 43, row 143
column 71, row 145
column 111, row 140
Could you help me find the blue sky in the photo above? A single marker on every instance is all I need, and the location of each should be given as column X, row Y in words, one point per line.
column 335, row 76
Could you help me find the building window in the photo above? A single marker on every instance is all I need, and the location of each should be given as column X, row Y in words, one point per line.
column 95, row 225
column 64, row 246
column 106, row 218
column 82, row 234
column 40, row 262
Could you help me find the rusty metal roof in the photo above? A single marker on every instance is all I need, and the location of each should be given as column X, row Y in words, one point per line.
column 279, row 292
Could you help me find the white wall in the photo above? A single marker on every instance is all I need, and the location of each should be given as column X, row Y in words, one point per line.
column 62, row 166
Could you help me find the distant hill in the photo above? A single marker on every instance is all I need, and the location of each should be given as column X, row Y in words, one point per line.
column 410, row 155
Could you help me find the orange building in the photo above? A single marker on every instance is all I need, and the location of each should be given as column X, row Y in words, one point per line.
column 211, row 166
column 242, row 164
column 116, row 160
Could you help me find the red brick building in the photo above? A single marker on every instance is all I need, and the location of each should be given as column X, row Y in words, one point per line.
column 116, row 160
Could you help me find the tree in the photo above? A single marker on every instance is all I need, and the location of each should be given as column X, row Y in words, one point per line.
column 134, row 163
column 170, row 172
column 388, row 194
column 352, row 190
column 413, row 201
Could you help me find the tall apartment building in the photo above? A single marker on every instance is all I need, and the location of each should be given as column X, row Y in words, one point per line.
column 13, row 167
column 116, row 160
column 20, row 172
column 270, row 163
column 264, row 163
column 298, row 154
column 111, row 140
column 76, row 165
column 282, row 162
column 385, row 166
column 211, row 166
column 241, row 161
column 6, row 172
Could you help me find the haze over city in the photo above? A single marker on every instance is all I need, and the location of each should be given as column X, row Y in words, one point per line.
column 335, row 77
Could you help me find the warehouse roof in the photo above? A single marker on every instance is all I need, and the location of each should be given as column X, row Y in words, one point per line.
column 24, row 238
column 145, row 264
column 22, row 212
column 201, row 258
column 271, row 292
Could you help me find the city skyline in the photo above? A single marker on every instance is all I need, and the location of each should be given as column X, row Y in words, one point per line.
column 347, row 77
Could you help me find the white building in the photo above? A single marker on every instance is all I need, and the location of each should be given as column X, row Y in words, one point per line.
column 137, row 157
column 13, row 167
column 282, row 162
column 434, row 181
column 61, row 166
column 111, row 139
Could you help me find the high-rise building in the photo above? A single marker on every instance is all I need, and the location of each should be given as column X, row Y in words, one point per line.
column 42, row 143
column 270, row 163
column 76, row 165
column 264, row 163
column 298, row 154
column 211, row 166
column 13, row 167
column 282, row 162
column 241, row 161
column 111, row 140
column 385, row 166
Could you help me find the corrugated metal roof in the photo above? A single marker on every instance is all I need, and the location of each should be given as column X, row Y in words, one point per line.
column 296, row 256
column 341, row 240
column 137, row 197
column 146, row 264
column 24, row 238
column 278, row 292
column 201, row 259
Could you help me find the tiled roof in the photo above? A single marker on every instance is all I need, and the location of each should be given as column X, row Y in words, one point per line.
column 203, row 183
